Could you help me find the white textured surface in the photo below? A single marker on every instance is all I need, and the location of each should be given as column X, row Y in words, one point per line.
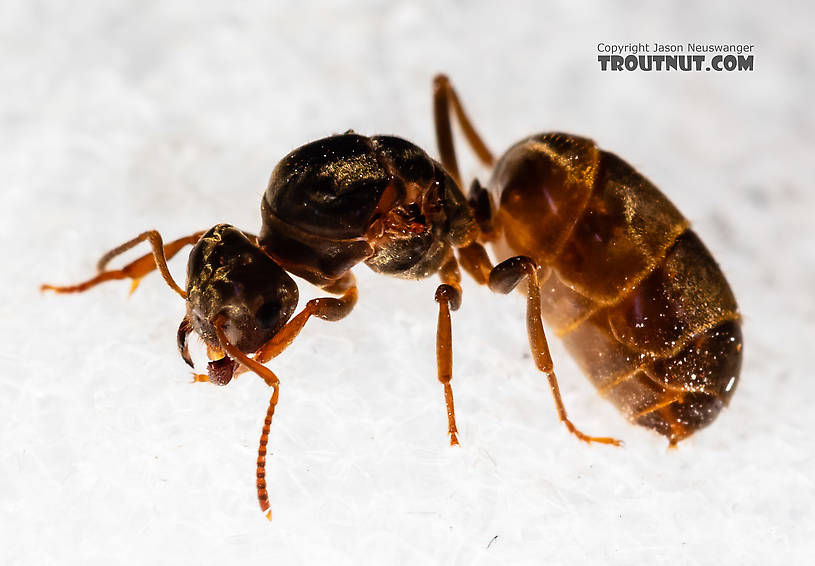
column 121, row 116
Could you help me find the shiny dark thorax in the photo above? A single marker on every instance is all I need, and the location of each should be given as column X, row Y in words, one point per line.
column 341, row 200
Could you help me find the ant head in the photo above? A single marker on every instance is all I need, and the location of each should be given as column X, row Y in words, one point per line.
column 231, row 278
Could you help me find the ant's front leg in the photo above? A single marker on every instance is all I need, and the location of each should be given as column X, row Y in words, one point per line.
column 137, row 269
column 448, row 295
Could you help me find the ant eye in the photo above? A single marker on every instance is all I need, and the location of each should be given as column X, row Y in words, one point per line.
column 268, row 314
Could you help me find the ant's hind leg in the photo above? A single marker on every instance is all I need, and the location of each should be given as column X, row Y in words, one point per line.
column 445, row 101
column 136, row 269
column 503, row 278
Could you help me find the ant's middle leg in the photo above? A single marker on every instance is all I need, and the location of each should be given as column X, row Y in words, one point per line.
column 503, row 278
column 137, row 269
column 448, row 295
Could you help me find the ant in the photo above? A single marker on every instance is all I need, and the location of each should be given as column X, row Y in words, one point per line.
column 600, row 253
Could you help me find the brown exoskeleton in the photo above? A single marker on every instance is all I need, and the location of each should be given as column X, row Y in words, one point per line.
column 608, row 263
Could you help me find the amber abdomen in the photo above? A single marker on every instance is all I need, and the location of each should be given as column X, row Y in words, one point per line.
column 637, row 298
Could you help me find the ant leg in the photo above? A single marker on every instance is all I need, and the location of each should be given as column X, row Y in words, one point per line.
column 272, row 381
column 445, row 99
column 326, row 308
column 476, row 262
column 136, row 269
column 503, row 278
column 448, row 295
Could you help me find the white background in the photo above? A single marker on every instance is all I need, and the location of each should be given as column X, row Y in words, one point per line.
column 121, row 116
